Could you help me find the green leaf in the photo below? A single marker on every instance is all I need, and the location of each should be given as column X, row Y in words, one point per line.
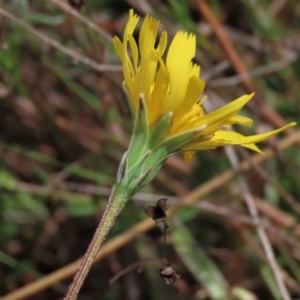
column 242, row 294
column 29, row 203
column 187, row 214
column 263, row 19
column 45, row 19
column 270, row 281
column 7, row 180
column 90, row 98
column 181, row 11
column 199, row 263
column 80, row 209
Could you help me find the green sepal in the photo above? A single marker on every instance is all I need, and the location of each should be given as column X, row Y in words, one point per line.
column 128, row 98
column 149, row 148
column 169, row 146
column 149, row 162
column 139, row 139
column 122, row 168
column 175, row 142
column 137, row 170
column 144, row 179
column 193, row 144
column 154, row 159
column 138, row 175
column 159, row 129
column 153, row 171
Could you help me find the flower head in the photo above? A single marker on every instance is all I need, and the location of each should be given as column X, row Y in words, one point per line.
column 172, row 87
column 164, row 91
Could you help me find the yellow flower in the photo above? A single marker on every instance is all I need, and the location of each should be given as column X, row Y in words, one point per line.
column 171, row 87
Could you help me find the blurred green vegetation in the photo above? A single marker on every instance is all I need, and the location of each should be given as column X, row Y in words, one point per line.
column 64, row 127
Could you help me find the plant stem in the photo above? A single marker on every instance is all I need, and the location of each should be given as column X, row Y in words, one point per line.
column 114, row 206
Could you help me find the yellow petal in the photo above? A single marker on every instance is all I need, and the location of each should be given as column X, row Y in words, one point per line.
column 134, row 51
column 159, row 92
column 195, row 70
column 186, row 121
column 223, row 138
column 181, row 52
column 194, row 90
column 252, row 147
column 119, row 47
column 188, row 156
column 131, row 24
column 147, row 36
column 215, row 119
column 241, row 120
column 145, row 76
column 253, row 139
column 162, row 43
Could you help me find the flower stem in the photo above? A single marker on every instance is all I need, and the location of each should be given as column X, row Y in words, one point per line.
column 114, row 206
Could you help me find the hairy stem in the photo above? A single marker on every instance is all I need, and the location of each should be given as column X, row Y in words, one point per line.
column 114, row 206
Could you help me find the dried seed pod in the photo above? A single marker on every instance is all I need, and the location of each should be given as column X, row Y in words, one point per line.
column 158, row 212
column 168, row 274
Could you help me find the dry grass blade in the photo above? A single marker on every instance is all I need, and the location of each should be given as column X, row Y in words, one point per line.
column 55, row 44
column 75, row 13
column 260, row 229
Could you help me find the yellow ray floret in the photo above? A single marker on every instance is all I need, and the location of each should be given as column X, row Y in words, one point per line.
column 169, row 84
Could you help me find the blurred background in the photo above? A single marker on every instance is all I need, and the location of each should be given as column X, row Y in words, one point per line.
column 65, row 123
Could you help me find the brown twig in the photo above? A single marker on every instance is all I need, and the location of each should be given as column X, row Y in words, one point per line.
column 226, row 43
column 166, row 226
column 76, row 14
column 288, row 198
column 137, row 265
column 285, row 221
column 259, row 71
column 55, row 44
